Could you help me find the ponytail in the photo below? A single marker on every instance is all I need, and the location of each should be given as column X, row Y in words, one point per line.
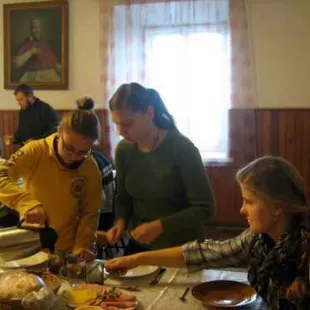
column 163, row 119
column 138, row 98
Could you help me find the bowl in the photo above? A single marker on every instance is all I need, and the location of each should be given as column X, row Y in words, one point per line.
column 224, row 294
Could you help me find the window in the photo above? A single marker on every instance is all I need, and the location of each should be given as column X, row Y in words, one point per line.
column 182, row 50
column 189, row 67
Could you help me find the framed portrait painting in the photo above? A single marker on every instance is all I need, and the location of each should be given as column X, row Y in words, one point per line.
column 36, row 44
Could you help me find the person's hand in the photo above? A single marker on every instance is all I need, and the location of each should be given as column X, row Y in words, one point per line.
column 122, row 264
column 36, row 215
column 115, row 233
column 87, row 256
column 147, row 232
column 35, row 51
column 102, row 238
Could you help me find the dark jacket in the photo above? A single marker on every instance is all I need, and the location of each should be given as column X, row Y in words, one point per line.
column 37, row 121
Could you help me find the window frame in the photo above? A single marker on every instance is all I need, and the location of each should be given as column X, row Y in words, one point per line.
column 219, row 27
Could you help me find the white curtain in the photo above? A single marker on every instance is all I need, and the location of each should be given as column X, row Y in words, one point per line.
column 182, row 49
column 243, row 84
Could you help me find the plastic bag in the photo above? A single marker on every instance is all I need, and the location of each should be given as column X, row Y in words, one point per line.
column 44, row 299
column 17, row 284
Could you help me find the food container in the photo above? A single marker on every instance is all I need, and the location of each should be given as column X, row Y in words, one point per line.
column 51, row 281
column 75, row 272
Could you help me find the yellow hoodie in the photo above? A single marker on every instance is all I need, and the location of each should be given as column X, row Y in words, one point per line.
column 70, row 198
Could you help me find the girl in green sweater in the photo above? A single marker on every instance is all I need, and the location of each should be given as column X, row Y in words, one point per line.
column 163, row 192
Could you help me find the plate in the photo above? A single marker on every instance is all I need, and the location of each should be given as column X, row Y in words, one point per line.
column 140, row 271
column 34, row 260
column 87, row 295
column 224, row 294
column 89, row 308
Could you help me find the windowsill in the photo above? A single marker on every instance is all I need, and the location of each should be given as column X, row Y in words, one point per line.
column 218, row 162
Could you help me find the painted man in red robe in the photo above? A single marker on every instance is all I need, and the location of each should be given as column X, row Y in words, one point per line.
column 36, row 59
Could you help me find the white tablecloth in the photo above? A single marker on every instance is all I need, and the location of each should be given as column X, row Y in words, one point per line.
column 165, row 295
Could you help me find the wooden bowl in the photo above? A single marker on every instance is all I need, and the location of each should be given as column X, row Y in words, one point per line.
column 224, row 294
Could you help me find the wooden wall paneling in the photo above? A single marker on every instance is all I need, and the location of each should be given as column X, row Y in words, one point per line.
column 252, row 133
column 298, row 154
column 285, row 137
column 306, row 149
column 282, row 133
column 7, row 129
column 9, row 121
column 2, row 134
column 266, row 132
column 301, row 145
column 236, row 136
column 243, row 145
column 1, row 127
column 275, row 132
column 290, row 137
column 250, row 136
column 227, row 195
column 5, row 134
column 10, row 129
column 285, row 133
column 294, row 131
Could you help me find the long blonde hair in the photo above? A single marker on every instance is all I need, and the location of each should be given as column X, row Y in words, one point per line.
column 276, row 181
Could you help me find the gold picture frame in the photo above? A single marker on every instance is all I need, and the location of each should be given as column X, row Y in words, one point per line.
column 36, row 44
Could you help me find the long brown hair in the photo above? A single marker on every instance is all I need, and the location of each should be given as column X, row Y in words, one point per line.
column 276, row 181
column 138, row 98
column 83, row 120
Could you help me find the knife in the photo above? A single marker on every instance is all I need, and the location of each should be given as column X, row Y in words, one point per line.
column 158, row 276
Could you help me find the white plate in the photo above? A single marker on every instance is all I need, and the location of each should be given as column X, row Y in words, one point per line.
column 34, row 260
column 140, row 271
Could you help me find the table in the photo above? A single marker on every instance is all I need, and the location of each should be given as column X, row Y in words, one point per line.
column 165, row 295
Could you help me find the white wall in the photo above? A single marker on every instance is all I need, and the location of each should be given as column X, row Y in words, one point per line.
column 280, row 31
column 84, row 62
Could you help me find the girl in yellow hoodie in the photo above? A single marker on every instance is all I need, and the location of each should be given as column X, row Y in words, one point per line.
column 62, row 183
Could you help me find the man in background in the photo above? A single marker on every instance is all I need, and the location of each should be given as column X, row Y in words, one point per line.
column 37, row 119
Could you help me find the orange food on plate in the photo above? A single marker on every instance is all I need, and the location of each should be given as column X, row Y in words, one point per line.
column 110, row 298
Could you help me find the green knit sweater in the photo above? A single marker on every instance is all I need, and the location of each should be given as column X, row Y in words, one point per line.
column 168, row 183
